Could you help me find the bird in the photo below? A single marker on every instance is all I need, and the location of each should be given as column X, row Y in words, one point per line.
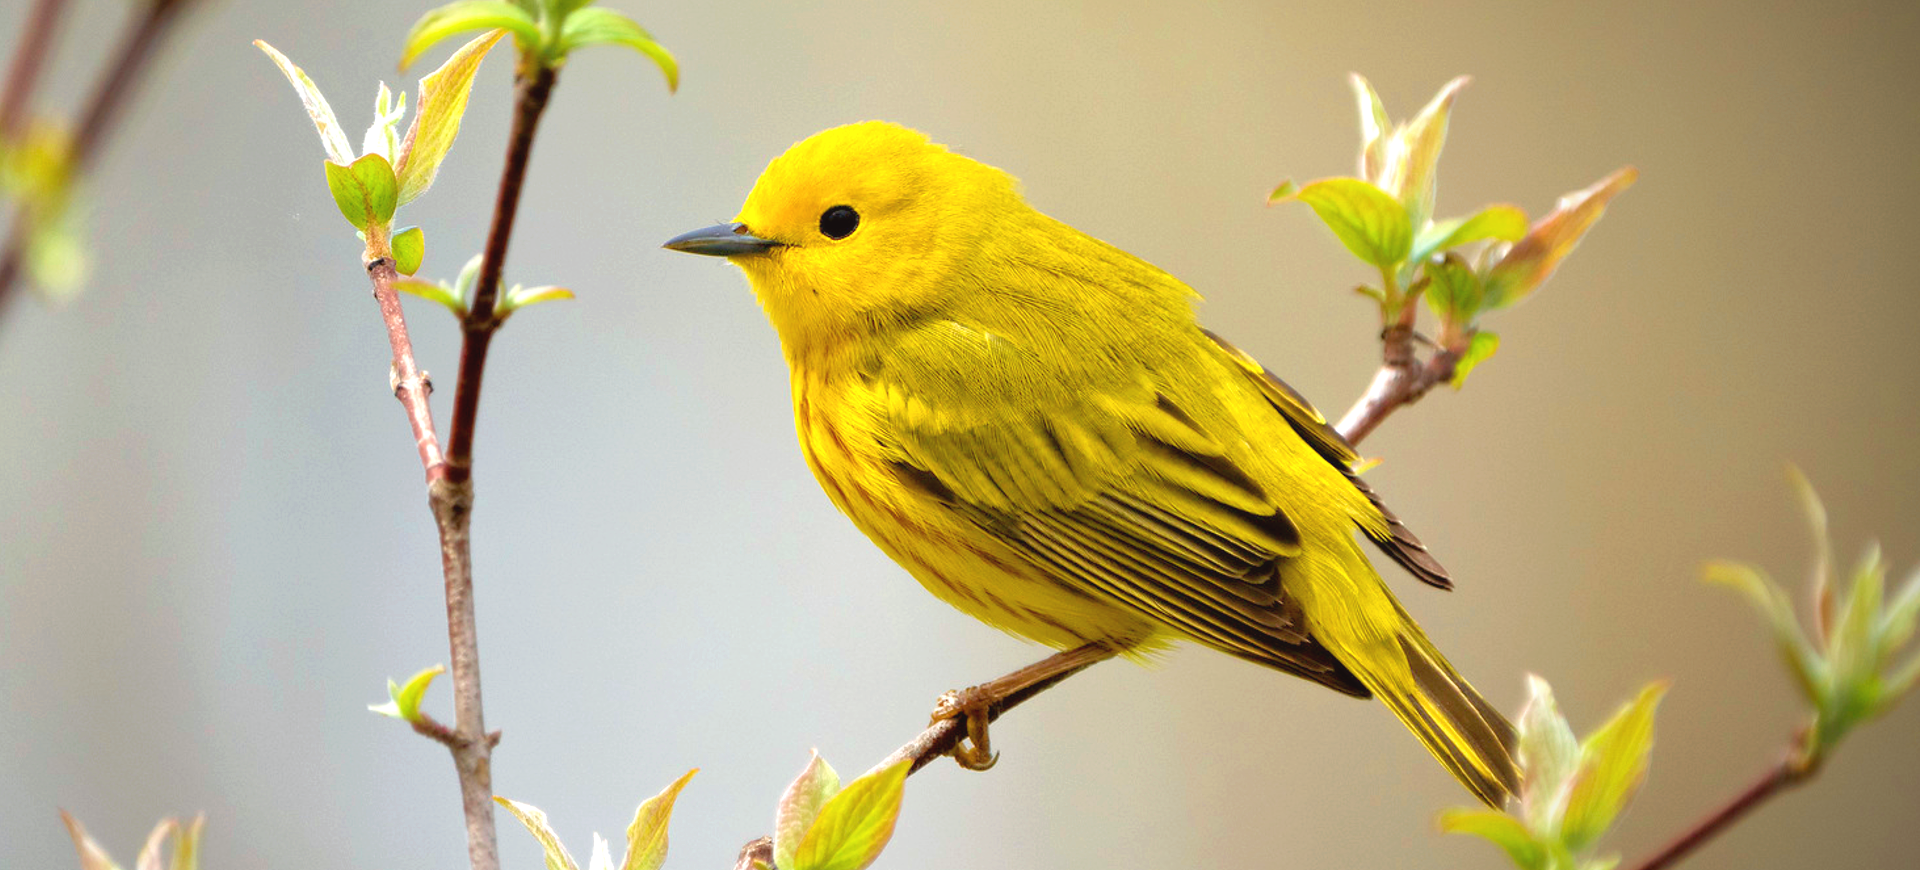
column 1033, row 424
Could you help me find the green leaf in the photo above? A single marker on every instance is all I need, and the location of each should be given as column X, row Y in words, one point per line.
column 443, row 99
column 596, row 26
column 1613, row 763
column 799, row 806
column 1807, row 667
column 856, row 823
column 405, row 703
column 1453, row 291
column 1853, row 653
column 1504, row 222
column 1374, row 129
column 463, row 283
column 438, row 24
column 431, row 291
column 331, row 137
column 1370, row 223
column 56, row 256
column 521, row 297
column 1480, row 348
column 647, row 836
column 1548, row 755
column 1897, row 626
column 364, row 190
column 1418, row 154
column 1533, row 258
column 1284, row 192
column 1898, row 684
column 1822, row 551
column 409, row 247
column 383, row 137
column 536, row 822
column 1501, row 830
column 92, row 857
column 186, row 847
column 558, row 10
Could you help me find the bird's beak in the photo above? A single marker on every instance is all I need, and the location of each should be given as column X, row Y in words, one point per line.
column 720, row 240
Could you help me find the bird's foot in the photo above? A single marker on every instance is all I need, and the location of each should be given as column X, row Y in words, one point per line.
column 974, row 751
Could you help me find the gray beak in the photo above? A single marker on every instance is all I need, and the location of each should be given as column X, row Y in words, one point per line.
column 720, row 240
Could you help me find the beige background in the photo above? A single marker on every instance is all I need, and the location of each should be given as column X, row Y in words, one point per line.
column 215, row 546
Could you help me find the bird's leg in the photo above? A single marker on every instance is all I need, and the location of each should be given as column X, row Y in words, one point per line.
column 982, row 703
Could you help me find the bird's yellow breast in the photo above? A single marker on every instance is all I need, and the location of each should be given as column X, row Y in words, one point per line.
column 842, row 427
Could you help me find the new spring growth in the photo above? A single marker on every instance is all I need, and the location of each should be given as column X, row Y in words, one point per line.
column 646, row 836
column 1571, row 790
column 1466, row 266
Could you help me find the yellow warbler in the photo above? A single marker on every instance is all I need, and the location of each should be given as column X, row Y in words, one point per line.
column 1030, row 421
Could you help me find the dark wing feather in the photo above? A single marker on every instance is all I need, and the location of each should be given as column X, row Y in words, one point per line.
column 1399, row 542
column 1122, row 497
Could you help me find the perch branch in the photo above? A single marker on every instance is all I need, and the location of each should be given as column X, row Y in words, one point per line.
column 1401, row 381
column 1795, row 767
column 28, row 59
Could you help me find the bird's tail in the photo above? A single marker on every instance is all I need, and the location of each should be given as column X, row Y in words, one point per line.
column 1458, row 726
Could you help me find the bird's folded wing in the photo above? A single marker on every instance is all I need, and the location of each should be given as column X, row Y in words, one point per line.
column 1111, row 488
column 1393, row 537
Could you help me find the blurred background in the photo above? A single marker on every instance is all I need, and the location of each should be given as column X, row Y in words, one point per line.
column 215, row 542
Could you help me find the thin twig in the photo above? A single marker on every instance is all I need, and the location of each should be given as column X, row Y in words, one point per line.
column 102, row 113
column 1792, row 769
column 1409, row 383
column 410, row 384
column 450, row 485
column 1402, row 380
column 28, row 59
column 534, row 89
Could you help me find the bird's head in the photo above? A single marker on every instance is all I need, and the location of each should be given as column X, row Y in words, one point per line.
column 858, row 228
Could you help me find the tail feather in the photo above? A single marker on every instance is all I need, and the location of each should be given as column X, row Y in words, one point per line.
column 1458, row 726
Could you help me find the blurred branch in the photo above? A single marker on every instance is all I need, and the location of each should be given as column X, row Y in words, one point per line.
column 944, row 736
column 28, row 59
column 128, row 60
column 1795, row 767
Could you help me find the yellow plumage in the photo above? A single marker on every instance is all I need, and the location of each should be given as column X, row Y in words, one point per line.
column 1031, row 422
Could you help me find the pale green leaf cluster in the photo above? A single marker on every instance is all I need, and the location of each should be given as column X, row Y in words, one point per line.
column 458, row 296
column 646, row 836
column 1466, row 265
column 821, row 826
column 1849, row 668
column 36, row 174
column 404, row 700
column 1571, row 790
column 392, row 169
column 155, row 855
column 546, row 32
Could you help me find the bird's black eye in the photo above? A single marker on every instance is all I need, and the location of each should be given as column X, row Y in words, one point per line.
column 839, row 222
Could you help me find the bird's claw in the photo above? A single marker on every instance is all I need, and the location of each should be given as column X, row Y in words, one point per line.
column 974, row 751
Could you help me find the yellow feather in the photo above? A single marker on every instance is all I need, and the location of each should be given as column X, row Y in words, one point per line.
column 1031, row 422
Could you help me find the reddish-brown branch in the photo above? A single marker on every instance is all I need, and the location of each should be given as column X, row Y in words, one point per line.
column 1791, row 770
column 534, row 88
column 1402, row 380
column 450, row 484
column 28, row 59
column 102, row 112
